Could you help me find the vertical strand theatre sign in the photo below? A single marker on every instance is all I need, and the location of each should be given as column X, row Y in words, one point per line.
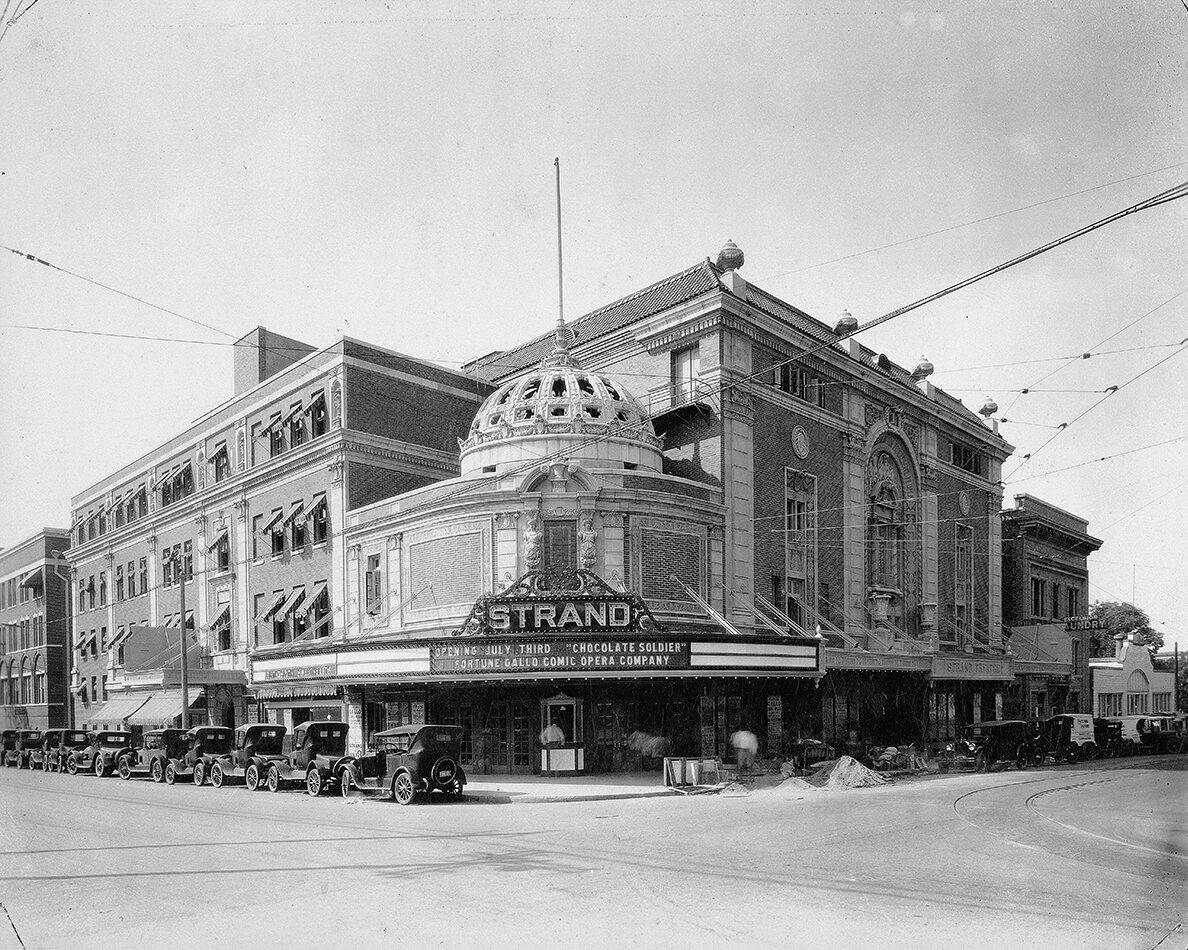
column 559, row 621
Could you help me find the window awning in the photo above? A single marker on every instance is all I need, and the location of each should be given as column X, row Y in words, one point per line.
column 119, row 708
column 272, row 608
column 221, row 450
column 96, row 715
column 319, row 591
column 35, row 578
column 80, row 688
column 319, row 503
column 174, row 620
column 293, row 600
column 222, row 617
column 82, row 644
column 294, row 513
column 272, row 522
column 222, row 536
column 121, row 636
column 163, row 707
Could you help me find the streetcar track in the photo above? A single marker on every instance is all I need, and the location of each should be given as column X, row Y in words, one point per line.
column 1030, row 803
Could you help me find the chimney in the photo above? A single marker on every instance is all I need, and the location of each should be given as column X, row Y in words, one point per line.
column 261, row 354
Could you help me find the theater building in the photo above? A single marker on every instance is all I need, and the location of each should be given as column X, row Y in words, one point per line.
column 248, row 505
column 805, row 534
column 34, row 631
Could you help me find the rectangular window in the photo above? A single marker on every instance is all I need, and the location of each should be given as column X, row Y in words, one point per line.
column 317, row 416
column 321, row 519
column 102, row 639
column 222, row 463
column 1037, row 597
column 144, row 575
column 102, row 588
column 373, row 585
column 686, row 368
column 280, row 631
column 558, row 549
column 91, row 592
column 131, row 579
column 223, row 554
column 278, row 531
column 1136, row 704
column 1161, row 702
column 142, row 502
column 257, row 529
column 188, row 560
column 1054, row 600
column 258, row 605
column 223, row 629
column 276, row 436
column 119, row 583
column 296, row 426
column 1074, row 602
column 967, row 458
column 320, row 611
column 800, row 547
column 118, row 515
column 94, row 689
column 167, row 568
column 800, row 384
column 257, row 435
column 1076, row 655
column 299, row 532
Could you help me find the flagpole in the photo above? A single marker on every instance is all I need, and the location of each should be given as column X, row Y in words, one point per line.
column 560, row 283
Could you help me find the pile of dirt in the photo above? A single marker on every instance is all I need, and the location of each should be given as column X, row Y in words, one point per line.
column 793, row 787
column 846, row 773
column 735, row 790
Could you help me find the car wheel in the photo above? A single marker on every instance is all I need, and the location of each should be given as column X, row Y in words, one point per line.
column 125, row 770
column 1037, row 757
column 217, row 778
column 100, row 768
column 1090, row 752
column 314, row 782
column 344, row 783
column 455, row 789
column 157, row 772
column 1071, row 755
column 170, row 774
column 199, row 773
column 1021, row 759
column 252, row 777
column 274, row 779
column 72, row 767
column 403, row 790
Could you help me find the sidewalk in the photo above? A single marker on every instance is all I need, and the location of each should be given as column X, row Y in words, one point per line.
column 523, row 789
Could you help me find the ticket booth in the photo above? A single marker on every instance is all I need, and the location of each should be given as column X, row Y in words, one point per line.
column 562, row 749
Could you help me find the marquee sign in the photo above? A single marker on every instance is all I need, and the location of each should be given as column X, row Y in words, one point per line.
column 550, row 602
column 556, row 655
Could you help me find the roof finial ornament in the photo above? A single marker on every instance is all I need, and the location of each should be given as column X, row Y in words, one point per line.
column 730, row 258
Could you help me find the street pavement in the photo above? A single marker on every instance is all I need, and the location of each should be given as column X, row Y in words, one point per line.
column 1090, row 856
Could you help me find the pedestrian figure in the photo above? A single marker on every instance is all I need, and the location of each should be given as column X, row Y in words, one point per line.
column 745, row 746
column 551, row 734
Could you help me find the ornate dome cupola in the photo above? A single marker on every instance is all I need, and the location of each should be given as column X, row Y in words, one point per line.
column 560, row 412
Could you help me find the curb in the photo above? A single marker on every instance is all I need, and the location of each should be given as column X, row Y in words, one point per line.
column 506, row 798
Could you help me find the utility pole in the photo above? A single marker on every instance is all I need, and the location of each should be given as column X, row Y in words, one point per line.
column 185, row 665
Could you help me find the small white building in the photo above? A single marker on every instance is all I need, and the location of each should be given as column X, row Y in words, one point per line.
column 1127, row 684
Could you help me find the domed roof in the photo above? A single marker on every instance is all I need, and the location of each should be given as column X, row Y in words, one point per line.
column 559, row 398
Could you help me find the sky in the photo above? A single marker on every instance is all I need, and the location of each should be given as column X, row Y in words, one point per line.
column 385, row 171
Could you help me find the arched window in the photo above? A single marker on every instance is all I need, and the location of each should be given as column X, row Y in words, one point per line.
column 26, row 681
column 885, row 524
column 1137, row 682
column 5, row 685
column 38, row 682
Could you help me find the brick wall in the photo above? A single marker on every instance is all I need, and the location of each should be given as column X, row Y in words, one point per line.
column 773, row 454
column 949, row 514
column 400, row 410
column 371, row 483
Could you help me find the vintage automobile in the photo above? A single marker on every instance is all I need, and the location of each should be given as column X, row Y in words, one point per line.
column 370, row 772
column 315, row 757
column 100, row 753
column 416, row 760
column 20, row 755
column 983, row 745
column 157, row 747
column 8, row 743
column 1132, row 740
column 1107, row 735
column 204, row 745
column 1159, row 734
column 56, row 746
column 255, row 748
column 1069, row 737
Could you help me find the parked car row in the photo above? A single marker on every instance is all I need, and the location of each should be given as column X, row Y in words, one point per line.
column 1069, row 737
column 407, row 762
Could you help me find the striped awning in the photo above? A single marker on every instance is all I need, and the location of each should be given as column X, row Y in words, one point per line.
column 272, row 608
column 163, row 707
column 174, row 620
column 219, row 539
column 82, row 644
column 312, row 601
column 118, row 708
column 35, row 578
column 294, row 513
column 273, row 522
column 222, row 617
column 293, row 600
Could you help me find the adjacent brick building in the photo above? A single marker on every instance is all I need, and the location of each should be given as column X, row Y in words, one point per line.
column 1045, row 571
column 248, row 502
column 34, row 632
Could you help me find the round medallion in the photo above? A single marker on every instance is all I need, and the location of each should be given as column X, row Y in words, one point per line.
column 963, row 502
column 800, row 442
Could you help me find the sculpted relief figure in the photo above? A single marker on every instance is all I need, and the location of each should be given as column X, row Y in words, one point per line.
column 532, row 545
column 587, row 551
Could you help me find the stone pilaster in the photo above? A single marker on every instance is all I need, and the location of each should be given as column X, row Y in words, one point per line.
column 853, row 601
column 394, row 580
column 738, row 478
column 994, row 557
column 507, row 548
column 930, row 557
column 154, row 579
column 613, row 549
column 240, row 538
column 350, row 598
